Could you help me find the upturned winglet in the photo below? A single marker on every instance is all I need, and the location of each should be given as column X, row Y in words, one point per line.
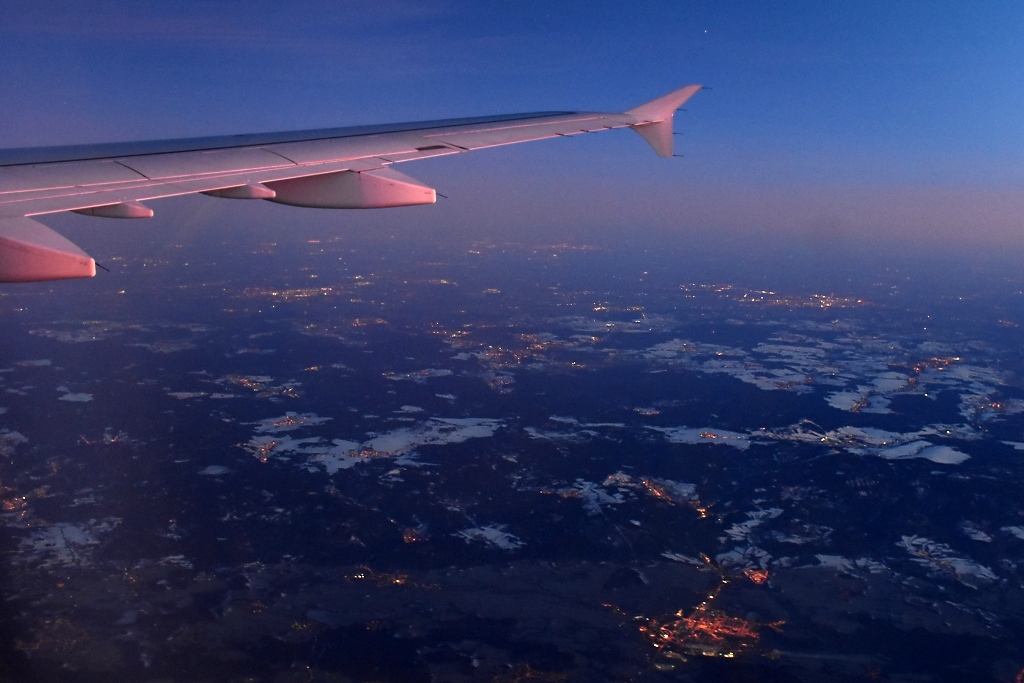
column 654, row 119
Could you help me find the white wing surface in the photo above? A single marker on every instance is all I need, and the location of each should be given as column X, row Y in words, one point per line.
column 341, row 168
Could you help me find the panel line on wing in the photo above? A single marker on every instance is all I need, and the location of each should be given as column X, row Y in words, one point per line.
column 276, row 153
column 532, row 124
column 133, row 170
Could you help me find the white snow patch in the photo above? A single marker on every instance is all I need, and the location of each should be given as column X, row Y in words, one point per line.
column 662, row 489
column 745, row 557
column 844, row 400
column 684, row 559
column 185, row 395
column 288, row 422
column 942, row 455
column 176, row 561
column 889, row 382
column 741, row 530
column 437, row 431
column 63, row 544
column 804, row 533
column 339, row 454
column 419, row 376
column 494, row 534
column 592, row 495
column 692, row 435
column 9, row 440
column 850, row 566
column 974, row 533
column 571, row 437
column 76, row 398
column 941, row 559
column 885, row 444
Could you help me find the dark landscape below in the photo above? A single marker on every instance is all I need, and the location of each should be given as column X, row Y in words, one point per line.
column 555, row 463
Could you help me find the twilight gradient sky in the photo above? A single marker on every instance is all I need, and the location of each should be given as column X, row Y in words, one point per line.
column 828, row 122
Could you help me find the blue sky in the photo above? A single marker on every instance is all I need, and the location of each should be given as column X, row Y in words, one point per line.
column 843, row 120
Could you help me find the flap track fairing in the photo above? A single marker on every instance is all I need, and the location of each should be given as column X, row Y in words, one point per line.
column 377, row 189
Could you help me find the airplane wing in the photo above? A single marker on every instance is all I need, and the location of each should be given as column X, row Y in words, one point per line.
column 340, row 168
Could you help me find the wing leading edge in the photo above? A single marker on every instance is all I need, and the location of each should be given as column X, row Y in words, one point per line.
column 332, row 168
